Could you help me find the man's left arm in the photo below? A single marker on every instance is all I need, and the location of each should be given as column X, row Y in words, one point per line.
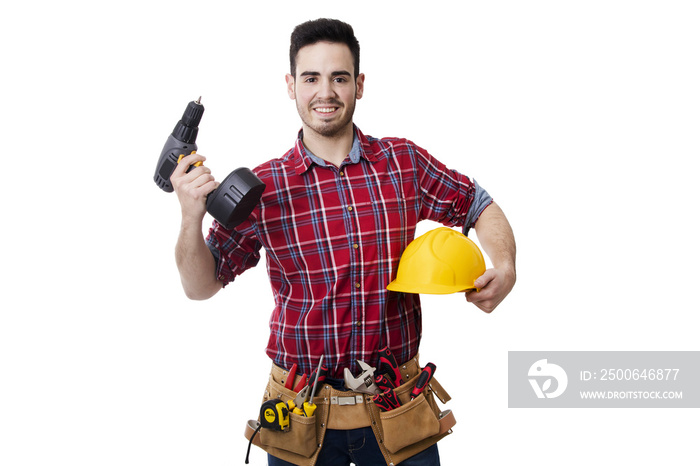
column 496, row 238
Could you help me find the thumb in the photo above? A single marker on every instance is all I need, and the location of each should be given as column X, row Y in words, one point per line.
column 484, row 280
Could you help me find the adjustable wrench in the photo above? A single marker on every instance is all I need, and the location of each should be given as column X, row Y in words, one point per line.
column 363, row 383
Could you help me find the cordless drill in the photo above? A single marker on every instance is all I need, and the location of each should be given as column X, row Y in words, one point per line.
column 235, row 198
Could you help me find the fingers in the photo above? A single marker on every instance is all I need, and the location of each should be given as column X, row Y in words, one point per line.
column 492, row 288
column 193, row 187
column 198, row 182
column 185, row 164
column 201, row 187
column 186, row 161
column 483, row 299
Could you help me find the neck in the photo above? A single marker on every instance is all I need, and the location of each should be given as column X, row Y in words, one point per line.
column 332, row 149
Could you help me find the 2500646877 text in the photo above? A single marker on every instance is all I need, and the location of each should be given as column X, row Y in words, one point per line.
column 630, row 374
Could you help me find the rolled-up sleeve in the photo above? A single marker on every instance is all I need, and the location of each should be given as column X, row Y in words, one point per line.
column 448, row 196
column 481, row 200
column 233, row 251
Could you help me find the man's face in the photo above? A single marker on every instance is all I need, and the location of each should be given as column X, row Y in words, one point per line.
column 324, row 88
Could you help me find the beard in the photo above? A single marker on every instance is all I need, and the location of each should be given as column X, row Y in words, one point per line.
column 330, row 128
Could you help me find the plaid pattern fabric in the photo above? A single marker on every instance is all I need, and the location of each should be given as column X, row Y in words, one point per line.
column 333, row 238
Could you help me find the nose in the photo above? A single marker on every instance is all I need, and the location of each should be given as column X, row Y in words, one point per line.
column 326, row 90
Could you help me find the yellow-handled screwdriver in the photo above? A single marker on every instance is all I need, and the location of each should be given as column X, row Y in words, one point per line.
column 308, row 407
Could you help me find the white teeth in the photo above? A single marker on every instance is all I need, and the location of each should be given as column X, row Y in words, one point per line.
column 325, row 110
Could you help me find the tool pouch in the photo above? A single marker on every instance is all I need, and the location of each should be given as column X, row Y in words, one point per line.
column 300, row 443
column 416, row 424
column 300, row 439
column 408, row 424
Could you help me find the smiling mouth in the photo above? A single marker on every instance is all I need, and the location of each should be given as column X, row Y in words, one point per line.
column 325, row 110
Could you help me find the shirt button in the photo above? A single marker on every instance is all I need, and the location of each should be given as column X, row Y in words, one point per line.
column 359, row 323
column 355, row 245
column 350, row 209
column 342, row 173
column 357, row 285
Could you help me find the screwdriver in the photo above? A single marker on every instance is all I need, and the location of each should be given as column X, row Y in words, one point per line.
column 388, row 365
column 309, row 407
column 423, row 379
column 383, row 382
column 386, row 401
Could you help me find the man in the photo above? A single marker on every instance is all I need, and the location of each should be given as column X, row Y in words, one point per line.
column 338, row 210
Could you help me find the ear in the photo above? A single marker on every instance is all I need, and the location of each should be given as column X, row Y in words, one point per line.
column 290, row 86
column 360, row 85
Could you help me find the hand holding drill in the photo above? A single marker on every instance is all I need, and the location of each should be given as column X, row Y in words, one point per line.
column 180, row 169
column 192, row 182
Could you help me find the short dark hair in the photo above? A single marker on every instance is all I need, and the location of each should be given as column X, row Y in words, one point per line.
column 323, row 30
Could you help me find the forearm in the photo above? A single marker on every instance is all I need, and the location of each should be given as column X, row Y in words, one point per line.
column 195, row 263
column 496, row 238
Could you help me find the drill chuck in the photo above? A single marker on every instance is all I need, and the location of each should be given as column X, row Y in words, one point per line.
column 187, row 128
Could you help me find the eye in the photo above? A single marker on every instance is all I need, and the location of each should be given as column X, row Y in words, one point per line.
column 310, row 79
column 340, row 79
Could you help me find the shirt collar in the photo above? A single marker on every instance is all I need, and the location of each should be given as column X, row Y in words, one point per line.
column 305, row 159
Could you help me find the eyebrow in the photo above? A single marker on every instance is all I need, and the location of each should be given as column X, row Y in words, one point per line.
column 334, row 73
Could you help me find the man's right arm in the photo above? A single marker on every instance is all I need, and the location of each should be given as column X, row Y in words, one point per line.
column 195, row 261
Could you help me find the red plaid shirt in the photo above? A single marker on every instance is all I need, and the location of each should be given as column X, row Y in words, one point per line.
column 333, row 238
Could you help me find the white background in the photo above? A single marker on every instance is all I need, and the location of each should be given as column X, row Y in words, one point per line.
column 580, row 118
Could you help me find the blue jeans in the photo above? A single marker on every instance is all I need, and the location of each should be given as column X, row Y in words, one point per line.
column 359, row 446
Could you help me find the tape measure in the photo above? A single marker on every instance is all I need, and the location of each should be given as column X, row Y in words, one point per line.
column 274, row 415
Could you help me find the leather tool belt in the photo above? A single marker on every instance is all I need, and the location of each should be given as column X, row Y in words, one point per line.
column 401, row 433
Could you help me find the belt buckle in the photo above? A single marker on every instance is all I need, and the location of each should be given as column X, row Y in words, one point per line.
column 347, row 400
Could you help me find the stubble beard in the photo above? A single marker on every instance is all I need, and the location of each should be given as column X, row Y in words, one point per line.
column 328, row 129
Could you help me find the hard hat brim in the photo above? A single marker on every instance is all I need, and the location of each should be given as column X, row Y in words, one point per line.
column 426, row 288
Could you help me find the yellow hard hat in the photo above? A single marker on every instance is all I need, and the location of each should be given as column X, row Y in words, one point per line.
column 442, row 261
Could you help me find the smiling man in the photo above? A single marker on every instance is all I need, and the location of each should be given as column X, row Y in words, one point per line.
column 339, row 209
column 325, row 90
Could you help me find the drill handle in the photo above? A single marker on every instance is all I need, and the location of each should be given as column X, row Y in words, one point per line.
column 167, row 161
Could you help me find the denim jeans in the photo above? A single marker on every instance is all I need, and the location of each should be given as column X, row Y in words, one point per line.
column 359, row 446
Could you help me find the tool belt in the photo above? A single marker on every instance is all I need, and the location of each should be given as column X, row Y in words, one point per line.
column 401, row 433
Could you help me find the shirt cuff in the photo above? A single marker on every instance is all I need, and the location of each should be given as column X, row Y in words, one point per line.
column 213, row 246
column 482, row 200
